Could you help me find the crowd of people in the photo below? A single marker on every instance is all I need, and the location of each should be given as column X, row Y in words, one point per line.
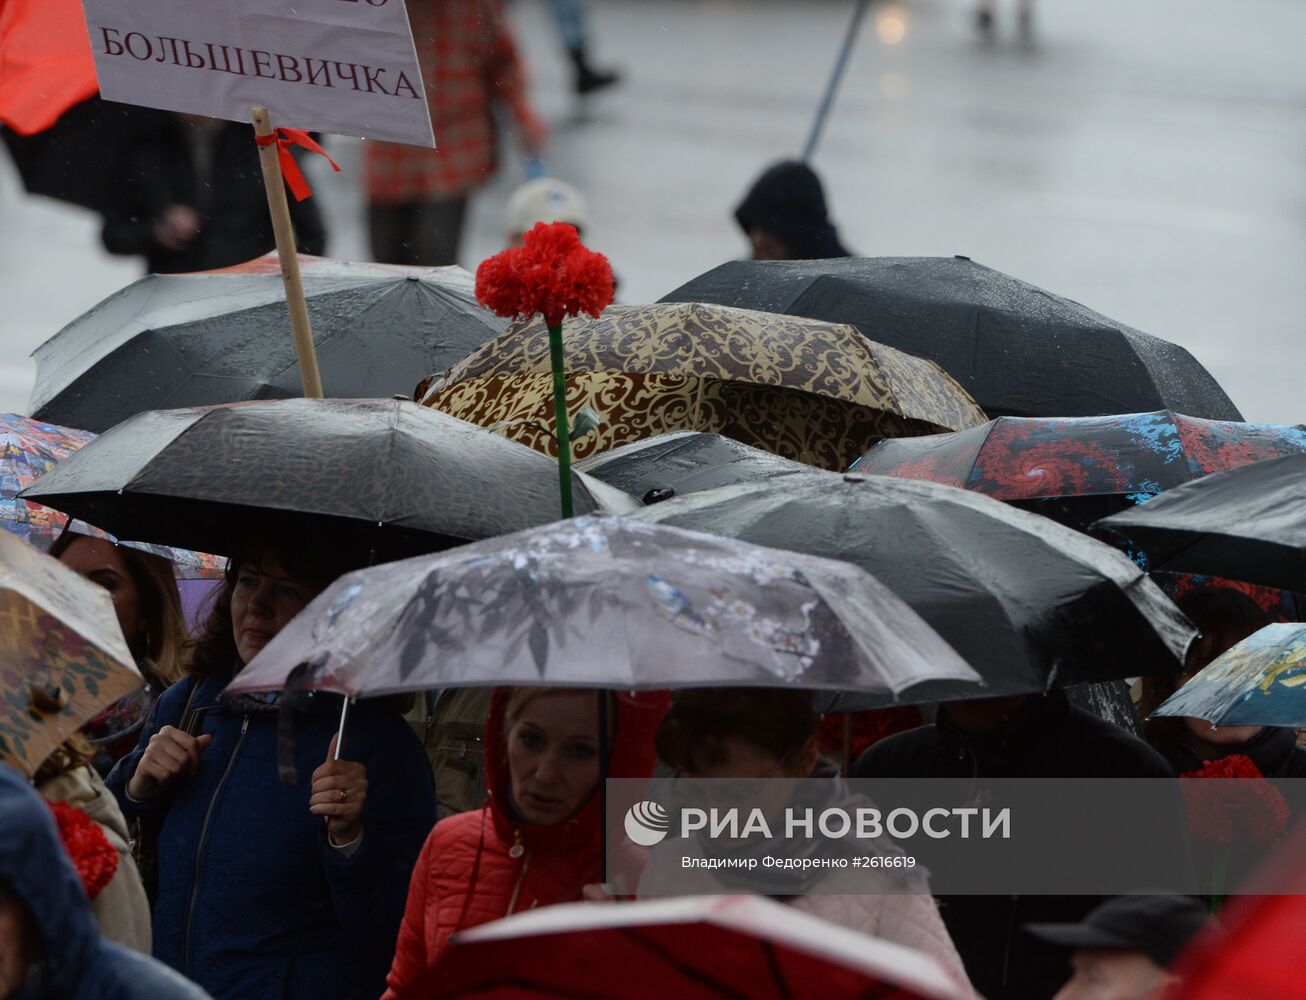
column 264, row 851
column 185, row 193
column 257, row 865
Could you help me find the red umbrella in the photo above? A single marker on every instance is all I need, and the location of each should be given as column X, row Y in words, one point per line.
column 45, row 62
column 1258, row 952
column 691, row 948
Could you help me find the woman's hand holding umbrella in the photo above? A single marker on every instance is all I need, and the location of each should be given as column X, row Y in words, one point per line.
column 338, row 793
column 171, row 754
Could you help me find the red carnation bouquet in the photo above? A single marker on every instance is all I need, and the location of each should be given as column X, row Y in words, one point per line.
column 1244, row 812
column 95, row 859
column 552, row 273
column 1224, row 814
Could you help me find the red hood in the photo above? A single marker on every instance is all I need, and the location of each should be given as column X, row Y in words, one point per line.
column 632, row 756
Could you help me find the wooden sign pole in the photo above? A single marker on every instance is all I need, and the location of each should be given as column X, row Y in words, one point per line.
column 285, row 236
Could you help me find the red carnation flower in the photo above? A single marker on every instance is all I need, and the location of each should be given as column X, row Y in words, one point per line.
column 1233, row 812
column 551, row 273
column 1236, row 765
column 95, row 859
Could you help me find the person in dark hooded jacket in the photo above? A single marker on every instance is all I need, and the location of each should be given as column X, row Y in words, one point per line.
column 50, row 946
column 784, row 216
column 1030, row 736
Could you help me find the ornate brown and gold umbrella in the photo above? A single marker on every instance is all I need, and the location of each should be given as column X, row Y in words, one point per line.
column 811, row 391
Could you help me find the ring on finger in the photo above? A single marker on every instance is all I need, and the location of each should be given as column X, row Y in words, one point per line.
column 344, row 795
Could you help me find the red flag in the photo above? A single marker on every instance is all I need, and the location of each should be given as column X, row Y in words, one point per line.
column 1257, row 954
column 45, row 62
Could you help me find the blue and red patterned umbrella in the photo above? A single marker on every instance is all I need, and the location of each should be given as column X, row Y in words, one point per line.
column 1076, row 470
column 28, row 450
column 1079, row 469
column 31, row 448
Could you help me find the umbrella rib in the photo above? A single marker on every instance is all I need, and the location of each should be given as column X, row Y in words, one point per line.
column 388, row 465
column 689, row 972
column 1160, row 531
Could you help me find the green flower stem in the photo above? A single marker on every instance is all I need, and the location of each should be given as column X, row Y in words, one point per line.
column 1218, row 875
column 561, row 420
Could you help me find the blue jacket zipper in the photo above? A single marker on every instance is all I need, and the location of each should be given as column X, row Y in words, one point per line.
column 199, row 848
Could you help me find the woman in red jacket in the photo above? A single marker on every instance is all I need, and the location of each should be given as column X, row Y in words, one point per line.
column 538, row 840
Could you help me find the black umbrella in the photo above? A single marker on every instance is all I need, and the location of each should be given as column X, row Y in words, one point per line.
column 661, row 467
column 1018, row 350
column 224, row 336
column 1248, row 524
column 1026, row 602
column 402, row 477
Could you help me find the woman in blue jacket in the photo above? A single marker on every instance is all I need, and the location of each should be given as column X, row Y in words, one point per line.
column 267, row 889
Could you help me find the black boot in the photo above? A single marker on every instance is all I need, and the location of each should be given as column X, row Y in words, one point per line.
column 589, row 79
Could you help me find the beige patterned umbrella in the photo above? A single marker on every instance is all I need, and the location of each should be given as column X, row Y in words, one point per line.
column 63, row 657
column 812, row 391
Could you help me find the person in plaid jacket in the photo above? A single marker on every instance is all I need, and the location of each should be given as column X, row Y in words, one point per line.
column 417, row 198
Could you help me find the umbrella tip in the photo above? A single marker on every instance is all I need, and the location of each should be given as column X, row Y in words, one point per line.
column 47, row 698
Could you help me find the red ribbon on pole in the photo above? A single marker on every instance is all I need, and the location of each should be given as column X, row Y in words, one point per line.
column 285, row 138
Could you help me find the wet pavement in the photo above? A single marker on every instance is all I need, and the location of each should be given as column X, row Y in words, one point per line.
column 1148, row 160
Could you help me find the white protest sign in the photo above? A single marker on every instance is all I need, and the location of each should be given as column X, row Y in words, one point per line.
column 342, row 66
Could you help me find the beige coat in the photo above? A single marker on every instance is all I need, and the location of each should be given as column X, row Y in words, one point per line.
column 121, row 909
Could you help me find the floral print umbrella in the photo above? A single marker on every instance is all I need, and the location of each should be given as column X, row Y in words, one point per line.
column 1079, row 469
column 815, row 392
column 607, row 602
column 1261, row 681
column 31, row 449
column 63, row 657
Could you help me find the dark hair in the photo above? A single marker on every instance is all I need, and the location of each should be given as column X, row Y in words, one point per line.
column 1221, row 614
column 164, row 637
column 695, row 729
column 315, row 562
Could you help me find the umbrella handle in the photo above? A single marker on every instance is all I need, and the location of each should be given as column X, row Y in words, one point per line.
column 340, row 732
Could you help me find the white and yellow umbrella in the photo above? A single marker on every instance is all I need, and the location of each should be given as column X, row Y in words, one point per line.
column 63, row 657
